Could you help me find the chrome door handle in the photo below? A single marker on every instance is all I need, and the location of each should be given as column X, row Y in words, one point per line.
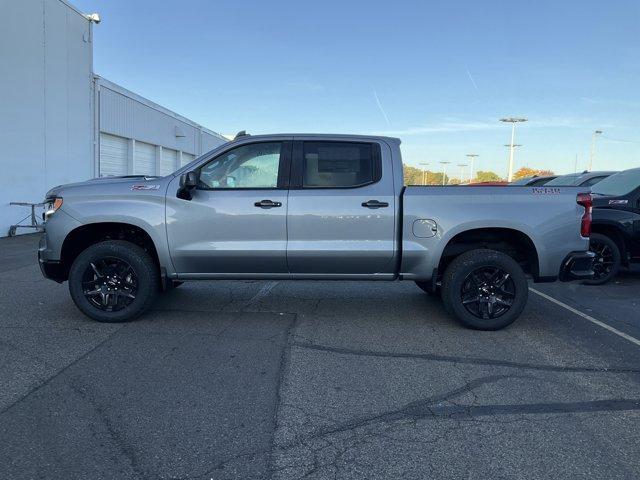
column 267, row 204
column 374, row 204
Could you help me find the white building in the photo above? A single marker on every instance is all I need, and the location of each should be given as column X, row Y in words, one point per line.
column 60, row 123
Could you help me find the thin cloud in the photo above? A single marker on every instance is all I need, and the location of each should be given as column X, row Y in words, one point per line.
column 384, row 114
column 473, row 82
column 445, row 127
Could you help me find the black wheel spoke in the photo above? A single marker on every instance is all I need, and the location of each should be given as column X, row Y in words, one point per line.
column 488, row 292
column 109, row 284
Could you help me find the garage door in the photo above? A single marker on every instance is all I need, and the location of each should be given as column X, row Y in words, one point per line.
column 169, row 161
column 186, row 158
column 113, row 155
column 144, row 159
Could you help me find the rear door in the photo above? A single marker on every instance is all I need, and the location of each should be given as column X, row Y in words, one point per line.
column 342, row 208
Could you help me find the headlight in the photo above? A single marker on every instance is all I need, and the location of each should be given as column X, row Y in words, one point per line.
column 51, row 206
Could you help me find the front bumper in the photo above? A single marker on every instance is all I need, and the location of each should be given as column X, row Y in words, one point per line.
column 51, row 269
column 577, row 266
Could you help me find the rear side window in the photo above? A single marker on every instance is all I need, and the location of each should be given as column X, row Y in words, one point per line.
column 340, row 164
column 592, row 181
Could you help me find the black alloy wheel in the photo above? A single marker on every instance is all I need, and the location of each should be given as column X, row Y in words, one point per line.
column 603, row 263
column 488, row 292
column 114, row 281
column 607, row 261
column 484, row 289
column 109, row 284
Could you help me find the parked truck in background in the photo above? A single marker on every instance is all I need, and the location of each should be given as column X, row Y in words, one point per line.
column 297, row 207
column 616, row 224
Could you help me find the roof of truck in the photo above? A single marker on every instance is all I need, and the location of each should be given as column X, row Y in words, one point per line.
column 245, row 136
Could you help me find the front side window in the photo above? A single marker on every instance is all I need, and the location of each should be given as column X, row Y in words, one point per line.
column 338, row 164
column 249, row 166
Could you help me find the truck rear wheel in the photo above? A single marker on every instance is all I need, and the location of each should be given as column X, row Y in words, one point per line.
column 484, row 289
column 113, row 281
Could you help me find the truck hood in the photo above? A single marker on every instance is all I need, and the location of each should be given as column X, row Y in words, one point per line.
column 106, row 184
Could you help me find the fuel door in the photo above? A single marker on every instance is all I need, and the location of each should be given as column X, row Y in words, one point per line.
column 424, row 228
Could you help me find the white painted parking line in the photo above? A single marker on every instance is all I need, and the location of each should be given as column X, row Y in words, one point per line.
column 587, row 317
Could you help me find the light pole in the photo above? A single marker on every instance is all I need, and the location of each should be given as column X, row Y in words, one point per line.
column 444, row 171
column 462, row 165
column 472, row 157
column 593, row 148
column 512, row 121
column 424, row 172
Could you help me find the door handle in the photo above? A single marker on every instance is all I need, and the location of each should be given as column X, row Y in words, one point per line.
column 267, row 204
column 374, row 204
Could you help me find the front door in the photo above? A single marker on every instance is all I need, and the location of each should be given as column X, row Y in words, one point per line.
column 236, row 220
column 342, row 209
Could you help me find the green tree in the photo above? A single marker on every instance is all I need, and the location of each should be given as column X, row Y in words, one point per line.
column 486, row 176
column 412, row 175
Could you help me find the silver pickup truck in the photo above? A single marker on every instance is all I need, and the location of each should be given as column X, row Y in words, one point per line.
column 299, row 207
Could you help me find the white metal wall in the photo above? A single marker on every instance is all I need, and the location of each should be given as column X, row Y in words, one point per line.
column 46, row 118
column 159, row 141
column 60, row 124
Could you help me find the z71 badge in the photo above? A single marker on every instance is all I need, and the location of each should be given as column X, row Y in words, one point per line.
column 144, row 187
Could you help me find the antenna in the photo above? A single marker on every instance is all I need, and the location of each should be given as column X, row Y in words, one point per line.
column 241, row 133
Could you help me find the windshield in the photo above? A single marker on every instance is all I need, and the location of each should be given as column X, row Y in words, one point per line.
column 565, row 180
column 619, row 184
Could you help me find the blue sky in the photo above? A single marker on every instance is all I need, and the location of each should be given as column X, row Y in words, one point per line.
column 437, row 74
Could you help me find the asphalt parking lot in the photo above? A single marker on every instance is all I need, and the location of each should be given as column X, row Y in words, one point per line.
column 290, row 380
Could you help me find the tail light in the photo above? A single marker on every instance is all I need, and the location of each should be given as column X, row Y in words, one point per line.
column 585, row 200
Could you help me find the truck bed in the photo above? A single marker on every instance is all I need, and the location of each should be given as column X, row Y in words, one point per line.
column 432, row 216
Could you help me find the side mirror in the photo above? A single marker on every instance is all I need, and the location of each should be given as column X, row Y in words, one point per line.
column 188, row 181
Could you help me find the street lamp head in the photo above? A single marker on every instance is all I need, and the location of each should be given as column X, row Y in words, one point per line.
column 598, row 132
column 513, row 120
column 445, row 163
column 515, row 144
column 472, row 155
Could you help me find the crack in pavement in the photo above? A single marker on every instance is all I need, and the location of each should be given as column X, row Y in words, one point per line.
column 462, row 360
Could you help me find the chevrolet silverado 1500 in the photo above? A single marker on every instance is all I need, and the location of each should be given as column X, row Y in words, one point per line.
column 296, row 207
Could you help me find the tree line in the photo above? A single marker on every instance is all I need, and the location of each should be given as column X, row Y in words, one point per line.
column 417, row 176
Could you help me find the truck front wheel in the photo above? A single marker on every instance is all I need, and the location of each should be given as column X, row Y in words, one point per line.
column 484, row 289
column 113, row 281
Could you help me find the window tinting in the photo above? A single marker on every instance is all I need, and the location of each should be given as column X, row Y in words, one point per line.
column 338, row 164
column 592, row 181
column 618, row 184
column 249, row 166
column 564, row 180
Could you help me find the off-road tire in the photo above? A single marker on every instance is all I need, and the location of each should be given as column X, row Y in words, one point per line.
column 457, row 274
column 145, row 269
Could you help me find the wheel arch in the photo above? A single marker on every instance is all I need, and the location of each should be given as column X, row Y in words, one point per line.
column 511, row 241
column 82, row 237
